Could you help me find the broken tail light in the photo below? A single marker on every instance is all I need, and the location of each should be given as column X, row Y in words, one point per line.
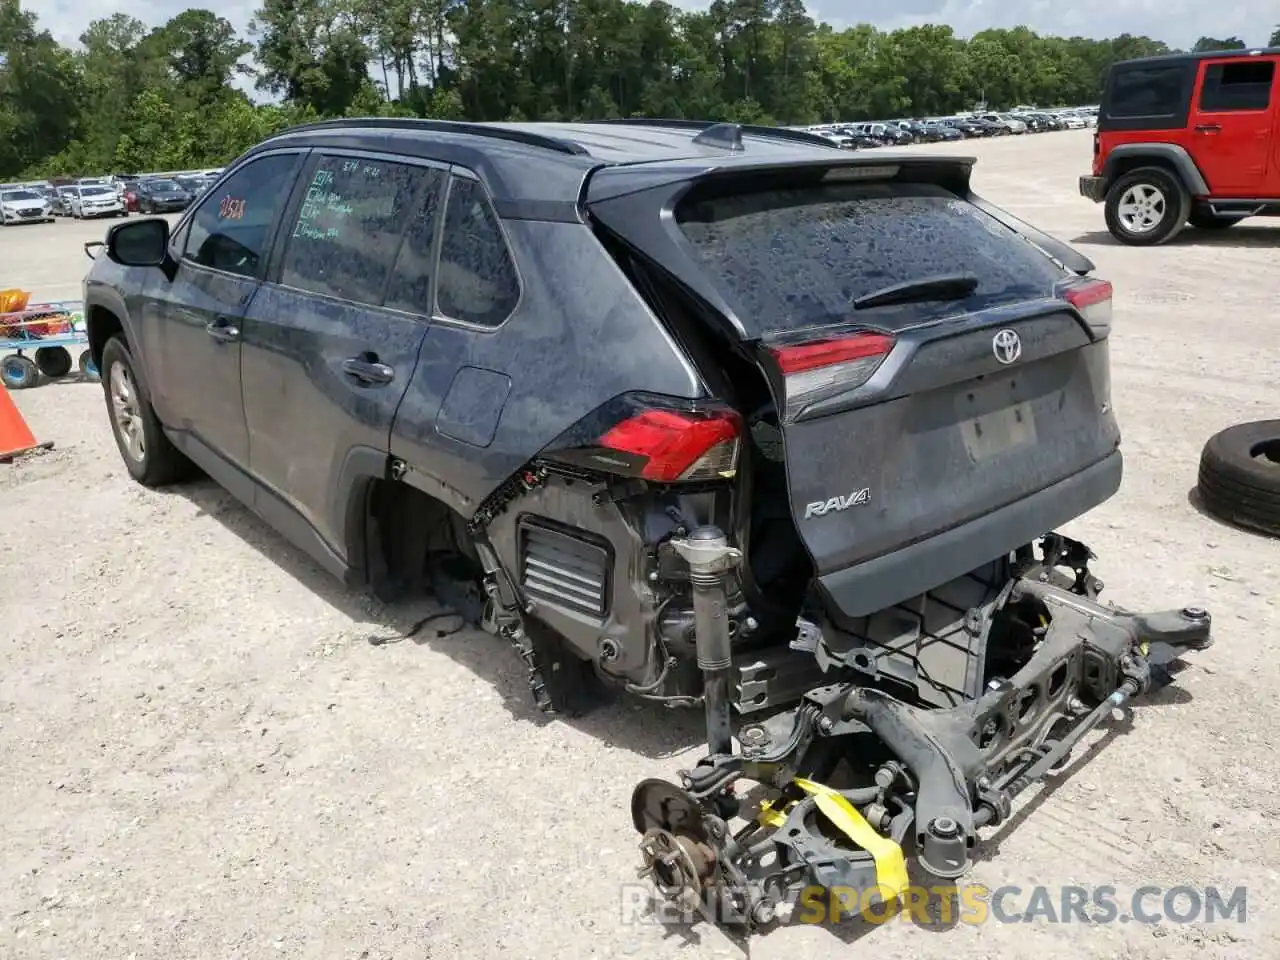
column 679, row 445
column 660, row 439
column 820, row 369
column 1092, row 299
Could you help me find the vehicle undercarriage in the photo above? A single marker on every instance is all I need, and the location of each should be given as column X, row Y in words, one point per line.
column 921, row 779
column 926, row 724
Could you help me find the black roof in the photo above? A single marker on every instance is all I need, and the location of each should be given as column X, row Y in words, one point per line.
column 1200, row 55
column 549, row 162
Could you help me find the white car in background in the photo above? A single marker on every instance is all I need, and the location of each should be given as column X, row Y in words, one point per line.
column 1073, row 121
column 96, row 200
column 20, row 205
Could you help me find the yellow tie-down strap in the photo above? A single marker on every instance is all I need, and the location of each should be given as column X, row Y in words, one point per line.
column 891, row 865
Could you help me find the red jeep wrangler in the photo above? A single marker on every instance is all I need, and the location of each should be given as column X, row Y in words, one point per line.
column 1187, row 138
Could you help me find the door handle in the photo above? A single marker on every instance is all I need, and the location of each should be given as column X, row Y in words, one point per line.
column 223, row 329
column 368, row 372
column 1208, row 127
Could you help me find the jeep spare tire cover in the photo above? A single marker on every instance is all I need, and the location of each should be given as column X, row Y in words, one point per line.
column 1240, row 476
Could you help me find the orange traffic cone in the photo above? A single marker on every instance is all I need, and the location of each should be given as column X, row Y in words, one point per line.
column 16, row 437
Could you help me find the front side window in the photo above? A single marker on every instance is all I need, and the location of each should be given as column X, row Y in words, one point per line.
column 1243, row 85
column 478, row 282
column 232, row 229
column 346, row 234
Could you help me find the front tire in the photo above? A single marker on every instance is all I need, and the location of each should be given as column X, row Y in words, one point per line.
column 1146, row 207
column 148, row 455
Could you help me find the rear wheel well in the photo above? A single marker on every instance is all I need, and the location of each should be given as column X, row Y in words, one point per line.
column 102, row 325
column 412, row 541
column 1119, row 167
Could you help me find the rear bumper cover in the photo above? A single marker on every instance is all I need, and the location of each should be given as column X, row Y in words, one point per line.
column 860, row 590
column 1093, row 188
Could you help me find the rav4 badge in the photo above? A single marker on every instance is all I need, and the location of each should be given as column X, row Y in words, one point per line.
column 820, row 508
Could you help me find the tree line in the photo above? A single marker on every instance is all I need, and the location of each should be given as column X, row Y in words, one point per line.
column 134, row 98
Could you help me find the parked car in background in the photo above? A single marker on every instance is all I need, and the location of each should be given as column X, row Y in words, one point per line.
column 24, row 206
column 96, row 200
column 969, row 127
column 130, row 194
column 1185, row 139
column 943, row 132
column 162, row 196
column 60, row 201
column 195, row 184
column 1004, row 123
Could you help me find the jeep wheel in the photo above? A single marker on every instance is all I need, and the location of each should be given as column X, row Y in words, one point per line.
column 1146, row 206
column 1208, row 220
column 1240, row 476
column 147, row 453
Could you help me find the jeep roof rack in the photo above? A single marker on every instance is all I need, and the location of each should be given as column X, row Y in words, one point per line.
column 1205, row 55
column 513, row 134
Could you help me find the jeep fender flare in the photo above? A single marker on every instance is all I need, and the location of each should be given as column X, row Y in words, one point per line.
column 1119, row 161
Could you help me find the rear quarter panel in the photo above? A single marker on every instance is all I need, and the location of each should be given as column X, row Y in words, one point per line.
column 580, row 336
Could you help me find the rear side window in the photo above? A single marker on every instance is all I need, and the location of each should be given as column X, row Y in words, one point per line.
column 345, row 236
column 477, row 281
column 799, row 258
column 1154, row 90
column 1245, row 85
column 410, row 288
column 231, row 230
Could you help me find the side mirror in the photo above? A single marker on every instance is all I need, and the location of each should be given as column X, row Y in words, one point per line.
column 143, row 243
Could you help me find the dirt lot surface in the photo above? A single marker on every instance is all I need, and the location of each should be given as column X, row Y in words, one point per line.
column 204, row 757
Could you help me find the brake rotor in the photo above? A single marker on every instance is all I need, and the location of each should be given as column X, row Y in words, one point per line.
column 676, row 847
column 660, row 805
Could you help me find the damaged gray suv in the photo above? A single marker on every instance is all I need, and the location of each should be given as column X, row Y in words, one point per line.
column 719, row 416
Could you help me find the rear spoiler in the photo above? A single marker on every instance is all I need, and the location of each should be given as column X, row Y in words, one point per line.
column 1070, row 259
column 608, row 182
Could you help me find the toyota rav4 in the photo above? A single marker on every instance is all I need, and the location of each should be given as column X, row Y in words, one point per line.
column 722, row 416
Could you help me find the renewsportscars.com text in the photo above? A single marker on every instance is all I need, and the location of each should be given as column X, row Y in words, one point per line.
column 976, row 904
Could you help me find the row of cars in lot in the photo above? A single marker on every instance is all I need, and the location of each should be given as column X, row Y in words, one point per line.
column 44, row 201
column 897, row 133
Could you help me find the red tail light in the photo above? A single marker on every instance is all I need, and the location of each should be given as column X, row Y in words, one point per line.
column 814, row 371
column 825, row 353
column 678, row 445
column 1093, row 299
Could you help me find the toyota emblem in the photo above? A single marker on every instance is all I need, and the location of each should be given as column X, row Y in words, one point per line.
column 1007, row 346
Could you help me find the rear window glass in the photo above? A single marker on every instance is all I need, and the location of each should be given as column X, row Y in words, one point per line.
column 799, row 258
column 1156, row 90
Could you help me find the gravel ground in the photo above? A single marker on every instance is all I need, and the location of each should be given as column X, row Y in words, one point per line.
column 204, row 756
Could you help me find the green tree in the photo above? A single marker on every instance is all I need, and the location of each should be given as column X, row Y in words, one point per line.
column 1209, row 44
column 144, row 97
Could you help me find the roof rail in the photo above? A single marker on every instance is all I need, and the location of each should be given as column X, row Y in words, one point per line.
column 753, row 129
column 516, row 135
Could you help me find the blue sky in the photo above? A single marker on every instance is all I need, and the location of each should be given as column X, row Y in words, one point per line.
column 1177, row 22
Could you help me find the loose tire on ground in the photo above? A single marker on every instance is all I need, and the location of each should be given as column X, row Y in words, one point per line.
column 147, row 453
column 54, row 362
column 19, row 373
column 88, row 369
column 1240, row 476
column 1147, row 206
